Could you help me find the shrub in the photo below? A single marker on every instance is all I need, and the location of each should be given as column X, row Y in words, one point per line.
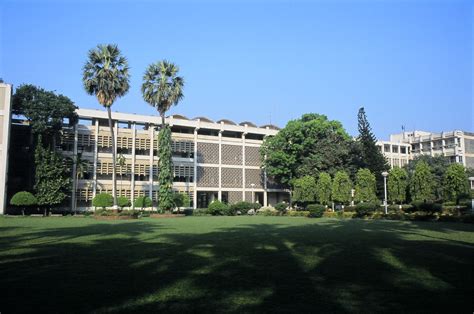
column 133, row 213
column 420, row 216
column 200, row 212
column 426, row 207
column 316, row 211
column 468, row 218
column 217, row 208
column 103, row 200
column 299, row 213
column 242, row 207
column 366, row 209
column 181, row 200
column 281, row 207
column 142, row 202
column 349, row 208
column 23, row 199
column 268, row 211
column 122, row 202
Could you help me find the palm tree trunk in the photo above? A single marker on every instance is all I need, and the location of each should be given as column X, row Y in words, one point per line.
column 114, row 161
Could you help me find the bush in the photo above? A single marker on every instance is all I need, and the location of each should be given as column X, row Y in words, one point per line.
column 217, row 208
column 23, row 199
column 242, row 207
column 181, row 200
column 297, row 213
column 122, row 202
column 466, row 203
column 200, row 212
column 133, row 213
column 281, row 207
column 316, row 211
column 421, row 216
column 142, row 202
column 103, row 200
column 366, row 209
column 468, row 218
column 350, row 209
column 268, row 211
column 426, row 207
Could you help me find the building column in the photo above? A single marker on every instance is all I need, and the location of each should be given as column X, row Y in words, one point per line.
column 150, row 180
column 132, row 173
column 117, row 186
column 243, row 166
column 219, row 193
column 195, row 168
column 74, row 170
column 96, row 157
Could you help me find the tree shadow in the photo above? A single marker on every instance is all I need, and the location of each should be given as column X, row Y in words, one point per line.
column 325, row 266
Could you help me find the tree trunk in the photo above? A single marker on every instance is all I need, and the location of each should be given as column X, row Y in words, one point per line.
column 114, row 161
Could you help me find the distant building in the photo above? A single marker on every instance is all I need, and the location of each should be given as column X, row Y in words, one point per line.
column 457, row 146
column 5, row 117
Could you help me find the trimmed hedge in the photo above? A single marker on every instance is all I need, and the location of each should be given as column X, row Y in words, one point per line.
column 217, row 208
column 316, row 211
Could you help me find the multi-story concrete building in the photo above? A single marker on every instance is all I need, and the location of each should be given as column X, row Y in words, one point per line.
column 211, row 160
column 458, row 146
column 397, row 154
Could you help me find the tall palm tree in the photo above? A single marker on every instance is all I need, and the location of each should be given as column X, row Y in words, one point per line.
column 162, row 87
column 106, row 76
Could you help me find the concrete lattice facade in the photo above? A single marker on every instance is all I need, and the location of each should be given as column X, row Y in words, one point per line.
column 210, row 159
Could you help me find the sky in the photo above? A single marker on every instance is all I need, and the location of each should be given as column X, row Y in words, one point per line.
column 408, row 62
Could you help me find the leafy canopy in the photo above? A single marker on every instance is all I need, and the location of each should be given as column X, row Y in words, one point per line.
column 365, row 186
column 106, row 74
column 45, row 110
column 455, row 182
column 103, row 200
column 341, row 187
column 304, row 190
column 165, row 168
column 23, row 199
column 397, row 184
column 323, row 188
column 305, row 146
column 162, row 87
column 422, row 183
column 142, row 202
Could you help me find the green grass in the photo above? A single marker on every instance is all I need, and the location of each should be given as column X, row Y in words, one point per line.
column 234, row 264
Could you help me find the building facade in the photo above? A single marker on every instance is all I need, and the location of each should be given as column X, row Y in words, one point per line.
column 457, row 146
column 211, row 160
column 397, row 154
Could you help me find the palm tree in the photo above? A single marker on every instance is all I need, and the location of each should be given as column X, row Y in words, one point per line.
column 106, row 76
column 161, row 87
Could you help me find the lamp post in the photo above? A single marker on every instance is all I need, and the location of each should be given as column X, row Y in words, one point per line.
column 385, row 175
column 253, row 196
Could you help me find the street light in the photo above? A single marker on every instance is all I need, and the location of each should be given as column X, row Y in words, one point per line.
column 253, row 196
column 385, row 175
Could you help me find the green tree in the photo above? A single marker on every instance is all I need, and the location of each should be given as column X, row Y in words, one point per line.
column 323, row 188
column 438, row 165
column 307, row 146
column 397, row 185
column 163, row 88
column 53, row 179
column 365, row 186
column 142, row 202
column 456, row 183
column 422, row 182
column 103, row 200
column 23, row 199
column 46, row 111
column 181, row 200
column 371, row 157
column 341, row 187
column 123, row 201
column 106, row 76
column 304, row 190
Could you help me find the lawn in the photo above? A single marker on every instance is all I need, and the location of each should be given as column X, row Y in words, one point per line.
column 234, row 264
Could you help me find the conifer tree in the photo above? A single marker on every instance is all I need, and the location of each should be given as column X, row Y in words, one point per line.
column 372, row 157
column 165, row 170
column 365, row 186
column 323, row 188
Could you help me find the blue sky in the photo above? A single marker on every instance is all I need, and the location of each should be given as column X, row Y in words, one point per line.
column 407, row 62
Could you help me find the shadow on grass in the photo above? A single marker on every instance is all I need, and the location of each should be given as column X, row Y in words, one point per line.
column 332, row 266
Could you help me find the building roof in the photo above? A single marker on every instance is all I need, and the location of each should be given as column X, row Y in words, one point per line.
column 226, row 121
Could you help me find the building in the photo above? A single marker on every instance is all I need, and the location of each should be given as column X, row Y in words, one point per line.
column 457, row 145
column 397, row 154
column 211, row 160
column 5, row 116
